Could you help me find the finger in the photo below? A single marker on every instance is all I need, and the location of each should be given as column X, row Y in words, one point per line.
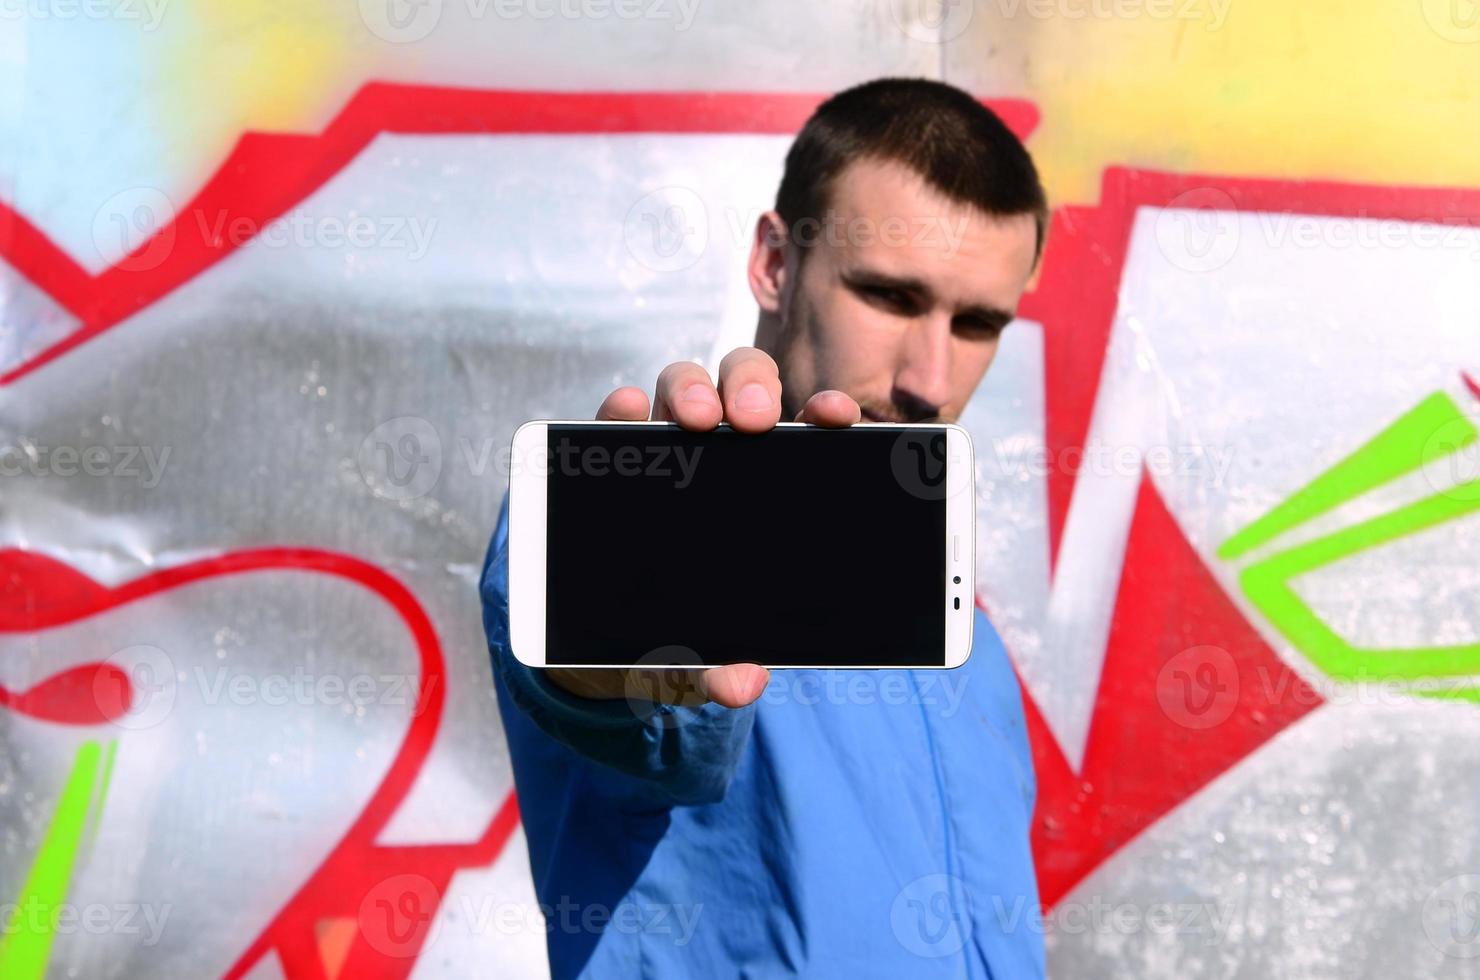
column 686, row 395
column 750, row 387
column 627, row 404
column 734, row 685
column 833, row 409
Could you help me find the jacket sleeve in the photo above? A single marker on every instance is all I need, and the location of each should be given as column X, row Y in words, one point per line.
column 673, row 755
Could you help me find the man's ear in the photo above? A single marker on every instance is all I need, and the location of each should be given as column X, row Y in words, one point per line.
column 1035, row 276
column 767, row 267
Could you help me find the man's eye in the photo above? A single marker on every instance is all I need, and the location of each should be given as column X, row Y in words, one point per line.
column 893, row 299
column 978, row 329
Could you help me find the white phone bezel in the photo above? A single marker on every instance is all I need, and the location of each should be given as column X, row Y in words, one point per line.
column 527, row 537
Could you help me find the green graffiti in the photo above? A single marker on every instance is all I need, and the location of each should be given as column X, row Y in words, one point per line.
column 26, row 946
column 1397, row 450
column 1408, row 444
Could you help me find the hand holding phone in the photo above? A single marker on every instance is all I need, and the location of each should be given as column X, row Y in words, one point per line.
column 710, row 536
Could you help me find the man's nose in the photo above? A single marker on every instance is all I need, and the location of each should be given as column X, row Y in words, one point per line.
column 924, row 373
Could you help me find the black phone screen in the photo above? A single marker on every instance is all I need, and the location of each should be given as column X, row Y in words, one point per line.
column 799, row 546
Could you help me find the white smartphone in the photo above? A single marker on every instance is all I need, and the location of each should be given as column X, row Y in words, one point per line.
column 642, row 544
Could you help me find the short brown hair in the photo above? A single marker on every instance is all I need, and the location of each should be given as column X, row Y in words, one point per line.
column 956, row 144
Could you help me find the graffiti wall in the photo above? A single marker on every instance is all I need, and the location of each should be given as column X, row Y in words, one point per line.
column 278, row 281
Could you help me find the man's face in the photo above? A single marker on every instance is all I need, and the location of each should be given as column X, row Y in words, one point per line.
column 899, row 302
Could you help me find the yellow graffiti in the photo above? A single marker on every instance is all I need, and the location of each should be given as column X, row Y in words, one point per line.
column 1373, row 92
column 236, row 65
column 1369, row 92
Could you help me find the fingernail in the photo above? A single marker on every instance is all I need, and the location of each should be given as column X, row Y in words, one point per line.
column 698, row 392
column 753, row 398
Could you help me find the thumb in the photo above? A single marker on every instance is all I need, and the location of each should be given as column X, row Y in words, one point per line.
column 734, row 685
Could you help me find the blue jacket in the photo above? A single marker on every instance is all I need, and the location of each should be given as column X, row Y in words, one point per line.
column 861, row 823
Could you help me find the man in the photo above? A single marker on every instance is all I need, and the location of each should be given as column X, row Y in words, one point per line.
column 841, row 823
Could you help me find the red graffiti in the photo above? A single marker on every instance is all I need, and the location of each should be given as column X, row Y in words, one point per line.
column 89, row 694
column 266, row 174
column 1141, row 762
column 42, row 593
